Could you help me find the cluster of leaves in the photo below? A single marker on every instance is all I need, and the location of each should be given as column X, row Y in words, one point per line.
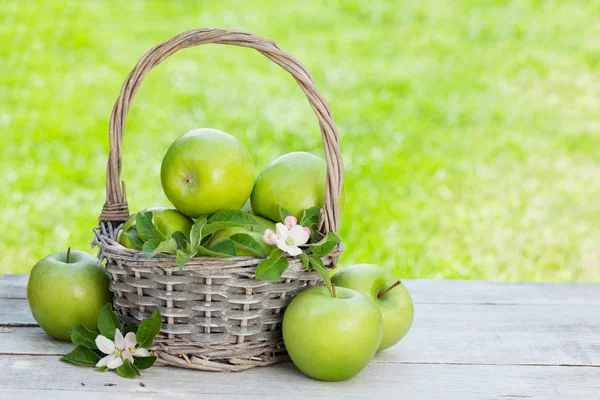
column 146, row 235
column 86, row 351
column 275, row 265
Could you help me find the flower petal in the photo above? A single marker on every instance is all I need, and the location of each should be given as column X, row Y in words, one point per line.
column 126, row 355
column 141, row 352
column 103, row 360
column 282, row 231
column 270, row 237
column 104, row 344
column 282, row 244
column 307, row 230
column 114, row 362
column 130, row 340
column 290, row 221
column 298, row 235
column 119, row 342
column 294, row 250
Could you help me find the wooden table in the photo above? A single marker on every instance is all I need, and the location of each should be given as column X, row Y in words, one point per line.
column 470, row 340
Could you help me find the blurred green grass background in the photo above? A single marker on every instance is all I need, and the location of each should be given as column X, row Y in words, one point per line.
column 470, row 129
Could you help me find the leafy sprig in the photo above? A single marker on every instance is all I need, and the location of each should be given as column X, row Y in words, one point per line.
column 86, row 352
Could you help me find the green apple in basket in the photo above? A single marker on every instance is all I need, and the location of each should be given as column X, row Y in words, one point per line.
column 332, row 336
column 389, row 294
column 293, row 182
column 65, row 289
column 167, row 220
column 207, row 170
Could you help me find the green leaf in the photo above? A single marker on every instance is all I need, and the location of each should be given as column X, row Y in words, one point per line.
column 103, row 368
column 127, row 370
column 325, row 245
column 273, row 267
column 149, row 247
column 81, row 335
column 283, row 213
column 134, row 237
column 144, row 362
column 197, row 233
column 148, row 330
column 227, row 219
column 144, row 226
column 180, row 239
column 183, row 257
column 81, row 355
column 310, row 217
column 166, row 246
column 129, row 328
column 317, row 264
column 108, row 322
column 305, row 261
column 249, row 244
column 223, row 247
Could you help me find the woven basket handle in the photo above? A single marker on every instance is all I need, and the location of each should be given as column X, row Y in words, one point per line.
column 116, row 209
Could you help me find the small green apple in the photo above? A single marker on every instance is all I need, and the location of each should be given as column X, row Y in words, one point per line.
column 331, row 338
column 295, row 182
column 65, row 289
column 391, row 296
column 229, row 232
column 167, row 220
column 207, row 170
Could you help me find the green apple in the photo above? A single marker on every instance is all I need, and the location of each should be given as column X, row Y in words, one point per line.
column 65, row 289
column 331, row 338
column 205, row 171
column 167, row 220
column 389, row 294
column 294, row 182
column 229, row 232
column 263, row 223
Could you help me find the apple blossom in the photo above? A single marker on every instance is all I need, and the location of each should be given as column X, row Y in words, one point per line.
column 123, row 348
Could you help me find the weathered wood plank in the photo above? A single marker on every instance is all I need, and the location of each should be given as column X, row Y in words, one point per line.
column 45, row 376
column 440, row 291
column 466, row 334
column 13, row 286
column 426, row 291
column 15, row 312
column 31, row 341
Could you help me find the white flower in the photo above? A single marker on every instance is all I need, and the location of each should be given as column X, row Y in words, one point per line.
column 270, row 237
column 291, row 235
column 123, row 348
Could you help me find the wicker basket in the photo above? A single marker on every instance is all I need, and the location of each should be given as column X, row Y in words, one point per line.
column 216, row 316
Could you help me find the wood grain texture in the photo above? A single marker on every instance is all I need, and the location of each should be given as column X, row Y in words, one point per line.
column 53, row 377
column 427, row 291
column 442, row 333
column 15, row 312
column 13, row 286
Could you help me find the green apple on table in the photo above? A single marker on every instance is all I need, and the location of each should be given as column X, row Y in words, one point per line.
column 205, row 171
column 332, row 338
column 295, row 182
column 167, row 220
column 65, row 289
column 389, row 294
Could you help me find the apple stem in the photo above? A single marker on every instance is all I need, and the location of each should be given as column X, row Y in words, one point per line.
column 333, row 290
column 380, row 295
column 68, row 254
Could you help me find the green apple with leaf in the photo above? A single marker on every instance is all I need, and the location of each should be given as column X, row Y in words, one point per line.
column 205, row 171
column 167, row 220
column 293, row 182
column 332, row 336
column 65, row 289
column 389, row 294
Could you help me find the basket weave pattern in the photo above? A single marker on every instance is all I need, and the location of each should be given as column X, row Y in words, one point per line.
column 216, row 316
